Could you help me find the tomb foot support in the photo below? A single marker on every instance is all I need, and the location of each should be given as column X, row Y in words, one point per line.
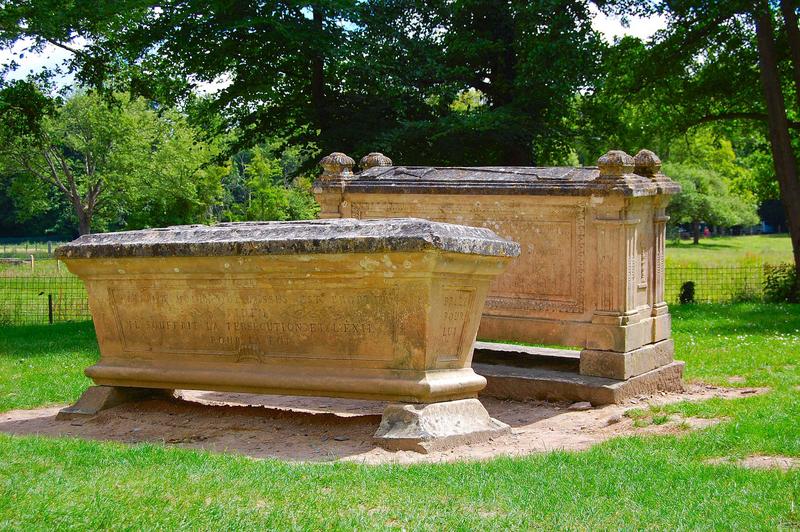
column 426, row 428
column 97, row 398
column 623, row 366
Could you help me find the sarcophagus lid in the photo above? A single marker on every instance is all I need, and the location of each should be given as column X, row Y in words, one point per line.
column 284, row 238
column 616, row 173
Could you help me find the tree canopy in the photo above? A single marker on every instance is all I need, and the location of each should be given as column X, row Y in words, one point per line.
column 342, row 74
column 446, row 82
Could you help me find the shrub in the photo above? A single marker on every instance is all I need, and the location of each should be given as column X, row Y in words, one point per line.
column 780, row 283
column 687, row 293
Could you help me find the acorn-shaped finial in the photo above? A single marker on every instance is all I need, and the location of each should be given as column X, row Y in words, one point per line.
column 615, row 163
column 337, row 165
column 646, row 163
column 374, row 159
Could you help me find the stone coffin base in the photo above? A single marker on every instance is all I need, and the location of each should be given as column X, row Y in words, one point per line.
column 523, row 373
column 97, row 398
column 434, row 427
column 422, row 428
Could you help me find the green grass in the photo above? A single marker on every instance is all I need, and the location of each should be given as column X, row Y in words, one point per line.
column 657, row 482
column 42, row 365
column 730, row 251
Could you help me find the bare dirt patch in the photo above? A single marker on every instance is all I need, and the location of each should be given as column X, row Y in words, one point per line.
column 324, row 429
column 783, row 463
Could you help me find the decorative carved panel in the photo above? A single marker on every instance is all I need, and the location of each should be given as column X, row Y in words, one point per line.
column 548, row 275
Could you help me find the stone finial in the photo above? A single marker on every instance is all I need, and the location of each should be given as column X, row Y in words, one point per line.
column 374, row 159
column 646, row 163
column 337, row 165
column 615, row 163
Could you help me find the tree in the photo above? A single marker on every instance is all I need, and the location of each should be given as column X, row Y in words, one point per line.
column 689, row 70
column 342, row 75
column 106, row 160
column 705, row 197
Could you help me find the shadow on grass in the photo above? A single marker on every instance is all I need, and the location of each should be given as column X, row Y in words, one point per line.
column 42, row 340
column 703, row 245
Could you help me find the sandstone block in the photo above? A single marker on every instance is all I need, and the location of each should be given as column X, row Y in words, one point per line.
column 629, row 364
column 437, row 426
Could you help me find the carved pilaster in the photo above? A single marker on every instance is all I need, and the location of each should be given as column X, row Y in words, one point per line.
column 659, row 246
column 631, row 258
column 616, row 260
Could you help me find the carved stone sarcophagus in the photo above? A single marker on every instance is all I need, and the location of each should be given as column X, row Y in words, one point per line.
column 591, row 269
column 383, row 309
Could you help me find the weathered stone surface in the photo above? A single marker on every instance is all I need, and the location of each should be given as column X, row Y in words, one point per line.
column 97, row 398
column 336, row 166
column 513, row 180
column 436, row 427
column 615, row 163
column 646, row 163
column 591, row 269
column 628, row 364
column 374, row 159
column 286, row 238
column 374, row 309
column 521, row 384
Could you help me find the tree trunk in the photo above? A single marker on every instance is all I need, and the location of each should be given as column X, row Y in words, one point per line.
column 782, row 154
column 793, row 34
column 318, row 79
column 695, row 232
column 84, row 221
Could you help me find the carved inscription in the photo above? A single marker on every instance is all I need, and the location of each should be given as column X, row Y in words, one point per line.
column 457, row 305
column 265, row 322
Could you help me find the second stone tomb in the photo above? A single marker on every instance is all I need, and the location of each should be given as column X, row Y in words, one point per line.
column 590, row 273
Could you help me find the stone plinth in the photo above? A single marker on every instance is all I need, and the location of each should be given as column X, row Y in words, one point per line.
column 591, row 269
column 382, row 310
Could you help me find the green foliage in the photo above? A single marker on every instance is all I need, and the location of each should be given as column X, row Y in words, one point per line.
column 780, row 283
column 116, row 164
column 401, row 68
column 705, row 196
column 268, row 198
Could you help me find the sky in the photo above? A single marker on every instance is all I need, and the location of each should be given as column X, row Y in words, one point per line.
column 610, row 27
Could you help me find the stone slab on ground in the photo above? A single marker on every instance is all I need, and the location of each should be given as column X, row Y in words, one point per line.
column 520, row 383
column 97, row 398
column 432, row 427
column 526, row 356
column 626, row 365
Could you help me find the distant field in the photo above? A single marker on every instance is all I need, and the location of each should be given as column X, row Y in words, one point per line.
column 23, row 250
column 730, row 251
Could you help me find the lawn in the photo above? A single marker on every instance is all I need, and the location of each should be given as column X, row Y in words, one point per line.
column 635, row 482
column 730, row 251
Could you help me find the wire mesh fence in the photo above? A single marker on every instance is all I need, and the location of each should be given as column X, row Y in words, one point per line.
column 33, row 298
column 723, row 284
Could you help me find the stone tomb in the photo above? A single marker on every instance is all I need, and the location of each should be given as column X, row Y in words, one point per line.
column 382, row 310
column 590, row 273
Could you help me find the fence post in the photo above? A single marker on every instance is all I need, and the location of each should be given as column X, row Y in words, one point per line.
column 49, row 249
column 58, row 266
column 50, row 308
column 33, row 263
